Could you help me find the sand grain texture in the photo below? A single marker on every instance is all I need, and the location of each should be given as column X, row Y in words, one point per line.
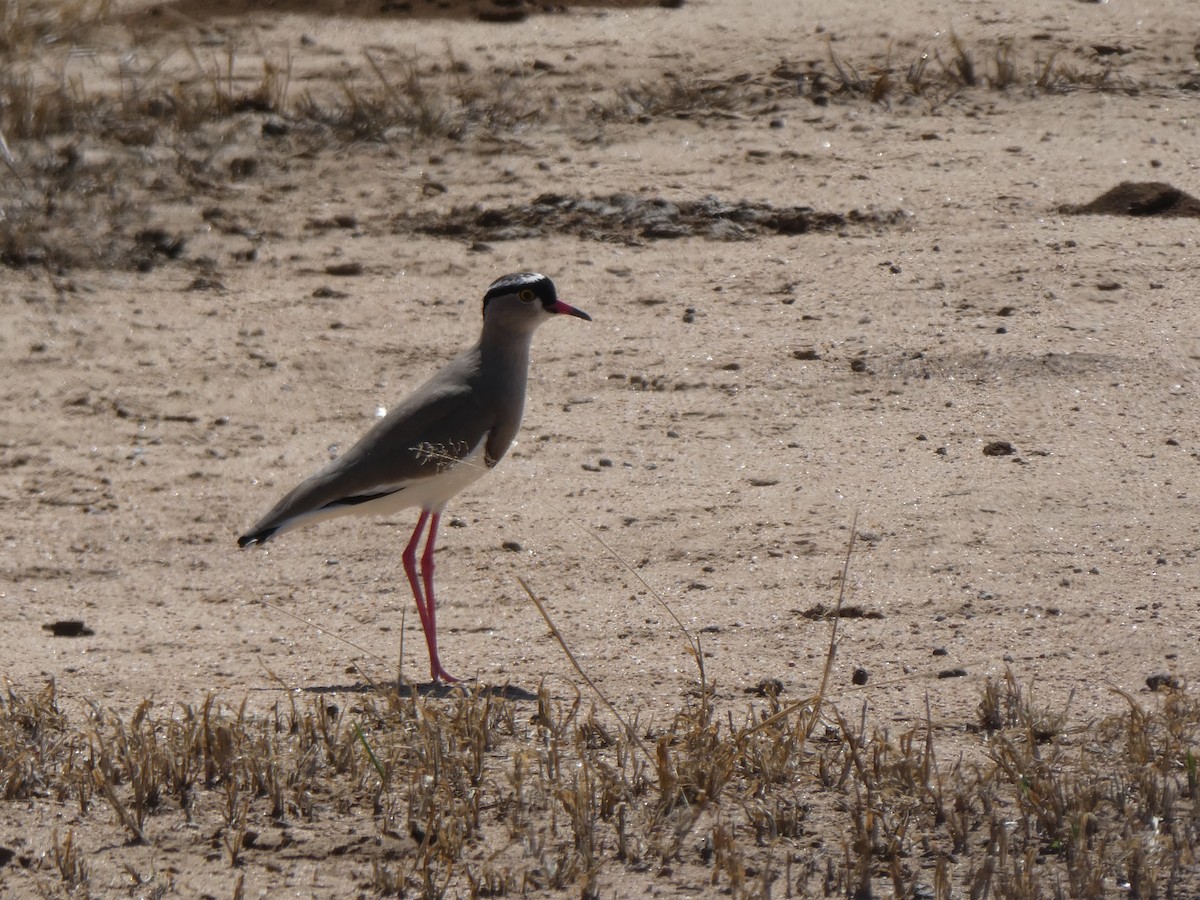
column 812, row 303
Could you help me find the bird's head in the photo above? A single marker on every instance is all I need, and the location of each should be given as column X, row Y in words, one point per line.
column 526, row 297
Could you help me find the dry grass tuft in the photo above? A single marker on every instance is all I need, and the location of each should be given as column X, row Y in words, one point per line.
column 403, row 102
column 93, row 157
column 29, row 25
column 474, row 793
column 941, row 73
column 679, row 97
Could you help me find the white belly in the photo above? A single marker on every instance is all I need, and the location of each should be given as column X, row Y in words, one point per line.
column 432, row 492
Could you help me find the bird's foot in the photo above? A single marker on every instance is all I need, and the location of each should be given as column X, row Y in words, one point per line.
column 441, row 675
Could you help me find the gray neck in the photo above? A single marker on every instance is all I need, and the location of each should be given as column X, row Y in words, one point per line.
column 505, row 347
column 503, row 373
column 504, row 358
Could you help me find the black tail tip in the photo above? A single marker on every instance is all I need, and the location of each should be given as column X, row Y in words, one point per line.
column 251, row 538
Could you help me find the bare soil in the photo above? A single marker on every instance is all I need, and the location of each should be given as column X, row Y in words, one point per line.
column 819, row 299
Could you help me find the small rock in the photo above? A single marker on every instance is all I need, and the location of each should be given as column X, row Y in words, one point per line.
column 512, row 547
column 68, row 628
column 952, row 673
column 327, row 293
column 999, row 448
column 1163, row 681
column 860, row 676
column 344, row 269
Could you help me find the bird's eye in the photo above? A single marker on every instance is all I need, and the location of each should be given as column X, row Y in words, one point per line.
column 526, row 296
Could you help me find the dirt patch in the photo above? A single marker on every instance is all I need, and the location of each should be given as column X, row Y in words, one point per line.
column 634, row 220
column 1139, row 198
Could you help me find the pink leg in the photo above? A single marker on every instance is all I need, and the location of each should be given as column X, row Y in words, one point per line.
column 410, row 569
column 435, row 665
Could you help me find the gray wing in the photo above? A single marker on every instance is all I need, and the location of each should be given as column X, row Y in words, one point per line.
column 438, row 425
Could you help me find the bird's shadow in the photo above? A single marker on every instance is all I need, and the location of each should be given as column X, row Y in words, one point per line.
column 429, row 689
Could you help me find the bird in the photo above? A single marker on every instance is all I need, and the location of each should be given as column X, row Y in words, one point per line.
column 445, row 436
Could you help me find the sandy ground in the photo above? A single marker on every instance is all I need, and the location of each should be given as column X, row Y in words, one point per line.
column 734, row 407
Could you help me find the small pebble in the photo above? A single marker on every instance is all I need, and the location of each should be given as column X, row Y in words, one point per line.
column 68, row 628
